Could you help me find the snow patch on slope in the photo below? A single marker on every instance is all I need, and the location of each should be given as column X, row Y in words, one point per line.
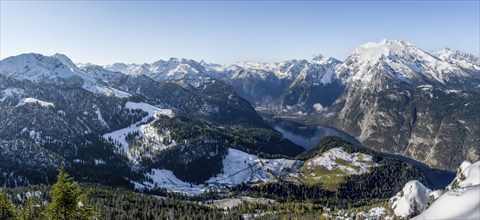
column 166, row 179
column 150, row 109
column 360, row 163
column 119, row 136
column 35, row 101
column 238, row 167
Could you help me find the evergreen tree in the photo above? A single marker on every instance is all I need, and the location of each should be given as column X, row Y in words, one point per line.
column 7, row 209
column 68, row 202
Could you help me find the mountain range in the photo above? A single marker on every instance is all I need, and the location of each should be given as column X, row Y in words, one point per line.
column 191, row 126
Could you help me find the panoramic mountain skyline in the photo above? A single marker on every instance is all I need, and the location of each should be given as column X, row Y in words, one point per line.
column 239, row 109
column 229, row 32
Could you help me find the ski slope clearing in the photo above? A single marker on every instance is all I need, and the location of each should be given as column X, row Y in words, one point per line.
column 238, row 167
column 119, row 136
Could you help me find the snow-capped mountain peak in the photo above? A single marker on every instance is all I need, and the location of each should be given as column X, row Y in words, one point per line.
column 374, row 51
column 65, row 60
column 56, row 69
column 36, row 66
column 401, row 61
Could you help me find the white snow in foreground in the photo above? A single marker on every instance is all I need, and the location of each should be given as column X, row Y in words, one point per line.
column 119, row 136
column 361, row 162
column 470, row 175
column 461, row 203
column 35, row 101
column 462, row 198
column 238, row 167
column 412, row 199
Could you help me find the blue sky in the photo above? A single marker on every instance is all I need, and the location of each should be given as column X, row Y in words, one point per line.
column 230, row 31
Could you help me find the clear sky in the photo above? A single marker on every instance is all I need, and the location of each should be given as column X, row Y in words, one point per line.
column 230, row 31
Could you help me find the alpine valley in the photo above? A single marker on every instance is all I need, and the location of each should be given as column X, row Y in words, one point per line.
column 382, row 134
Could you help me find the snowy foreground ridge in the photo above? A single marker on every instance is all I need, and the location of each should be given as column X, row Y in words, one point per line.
column 459, row 200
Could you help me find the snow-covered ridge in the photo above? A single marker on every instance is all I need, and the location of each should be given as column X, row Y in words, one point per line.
column 459, row 200
column 50, row 69
column 413, row 199
column 173, row 68
column 459, row 58
column 468, row 175
column 35, row 101
column 320, row 69
column 36, row 66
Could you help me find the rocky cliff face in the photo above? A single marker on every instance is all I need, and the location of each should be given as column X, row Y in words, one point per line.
column 402, row 100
